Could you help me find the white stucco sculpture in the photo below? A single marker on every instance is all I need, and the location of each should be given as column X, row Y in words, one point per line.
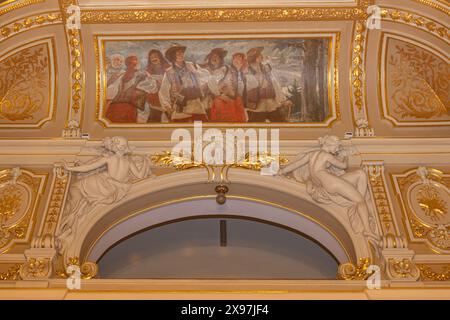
column 104, row 180
column 323, row 170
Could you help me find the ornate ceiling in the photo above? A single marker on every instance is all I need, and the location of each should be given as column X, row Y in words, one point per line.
column 386, row 87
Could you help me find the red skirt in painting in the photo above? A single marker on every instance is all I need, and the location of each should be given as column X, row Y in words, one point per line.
column 227, row 110
column 121, row 112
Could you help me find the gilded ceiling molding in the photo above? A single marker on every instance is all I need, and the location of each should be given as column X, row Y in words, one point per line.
column 58, row 194
column 28, row 23
column 358, row 80
column 436, row 5
column 416, row 20
column 77, row 77
column 91, row 16
column 14, row 5
column 20, row 192
column 42, row 256
column 424, row 195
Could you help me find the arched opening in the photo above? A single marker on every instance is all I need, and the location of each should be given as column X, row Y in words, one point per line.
column 218, row 247
column 185, row 196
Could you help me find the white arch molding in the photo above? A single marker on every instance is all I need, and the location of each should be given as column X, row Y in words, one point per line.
column 183, row 195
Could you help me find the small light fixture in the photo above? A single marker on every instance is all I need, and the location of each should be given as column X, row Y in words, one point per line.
column 221, row 190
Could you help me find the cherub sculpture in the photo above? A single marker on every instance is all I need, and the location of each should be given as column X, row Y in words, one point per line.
column 104, row 180
column 324, row 172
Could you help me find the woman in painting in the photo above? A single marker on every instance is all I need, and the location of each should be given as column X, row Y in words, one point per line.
column 123, row 95
column 155, row 71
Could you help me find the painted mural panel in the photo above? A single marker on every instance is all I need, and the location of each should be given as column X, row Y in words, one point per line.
column 270, row 80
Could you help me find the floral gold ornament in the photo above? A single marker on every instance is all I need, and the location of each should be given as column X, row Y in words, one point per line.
column 430, row 273
column 36, row 268
column 420, row 81
column 59, row 189
column 19, row 194
column 27, row 84
column 357, row 79
column 425, row 198
column 349, row 271
column 89, row 270
column 431, row 203
column 402, row 269
column 74, row 44
column 375, row 172
column 416, row 20
column 28, row 23
column 13, row 273
column 256, row 163
column 414, row 80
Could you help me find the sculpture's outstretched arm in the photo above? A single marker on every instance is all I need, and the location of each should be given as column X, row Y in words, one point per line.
column 86, row 167
column 303, row 160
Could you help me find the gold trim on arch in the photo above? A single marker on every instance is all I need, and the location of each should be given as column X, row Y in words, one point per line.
column 416, row 20
column 441, row 7
column 29, row 23
column 334, row 111
column 9, row 6
column 169, row 202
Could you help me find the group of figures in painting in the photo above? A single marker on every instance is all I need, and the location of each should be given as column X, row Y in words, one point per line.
column 235, row 87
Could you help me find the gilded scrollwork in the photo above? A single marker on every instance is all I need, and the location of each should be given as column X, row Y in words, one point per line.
column 36, row 268
column 25, row 84
column 425, row 200
column 88, row 270
column 429, row 273
column 402, row 269
column 420, row 82
column 350, row 271
column 19, row 192
column 12, row 274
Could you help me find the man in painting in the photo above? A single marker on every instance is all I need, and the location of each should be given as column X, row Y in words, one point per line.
column 215, row 64
column 182, row 92
column 156, row 68
column 123, row 96
column 116, row 62
column 265, row 98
